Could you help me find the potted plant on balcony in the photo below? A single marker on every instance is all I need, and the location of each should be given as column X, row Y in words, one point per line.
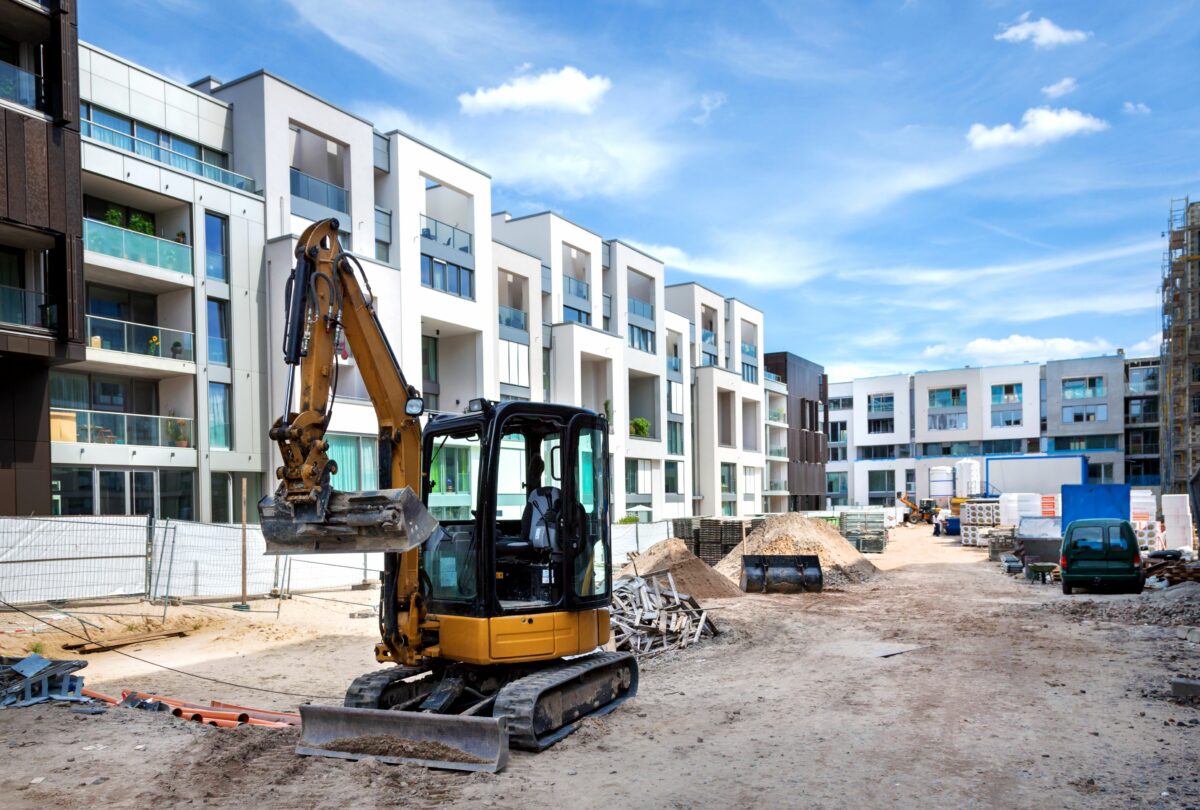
column 639, row 426
column 115, row 217
column 181, row 237
column 177, row 431
column 153, row 346
column 141, row 224
column 177, row 350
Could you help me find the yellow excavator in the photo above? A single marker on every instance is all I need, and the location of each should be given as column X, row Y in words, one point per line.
column 492, row 619
column 925, row 513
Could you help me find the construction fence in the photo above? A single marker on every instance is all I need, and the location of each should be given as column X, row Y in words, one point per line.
column 70, row 559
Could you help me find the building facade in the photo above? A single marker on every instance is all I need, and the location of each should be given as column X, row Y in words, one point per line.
column 797, row 404
column 1180, row 447
column 896, row 433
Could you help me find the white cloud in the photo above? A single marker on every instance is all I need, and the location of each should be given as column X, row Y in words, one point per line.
column 1042, row 33
column 1060, row 88
column 759, row 259
column 1039, row 125
column 709, row 103
column 1135, row 108
column 1017, row 349
column 1151, row 346
column 568, row 90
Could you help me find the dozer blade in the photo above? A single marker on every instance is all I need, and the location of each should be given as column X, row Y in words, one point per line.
column 453, row 742
column 781, row 573
column 373, row 520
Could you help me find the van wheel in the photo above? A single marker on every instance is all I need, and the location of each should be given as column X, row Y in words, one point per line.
column 1141, row 586
column 1067, row 589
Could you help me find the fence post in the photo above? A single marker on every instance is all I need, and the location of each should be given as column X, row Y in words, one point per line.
column 150, row 556
column 170, row 570
column 243, row 605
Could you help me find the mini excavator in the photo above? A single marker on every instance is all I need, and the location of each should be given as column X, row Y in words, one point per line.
column 492, row 618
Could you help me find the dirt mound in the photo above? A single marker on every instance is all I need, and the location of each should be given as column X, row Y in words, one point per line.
column 841, row 563
column 1178, row 605
column 692, row 575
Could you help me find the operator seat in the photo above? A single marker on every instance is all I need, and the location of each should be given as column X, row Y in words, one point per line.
column 539, row 521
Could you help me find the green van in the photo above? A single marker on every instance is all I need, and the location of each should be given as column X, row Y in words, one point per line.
column 1101, row 553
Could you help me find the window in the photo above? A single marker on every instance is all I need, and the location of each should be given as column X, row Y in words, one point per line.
column 948, row 397
column 1006, row 417
column 429, row 358
column 1088, row 538
column 216, row 246
column 728, row 479
column 450, row 471
column 514, row 363
column 948, row 421
column 446, row 277
column 72, row 491
column 1083, row 388
column 671, row 477
column 219, row 416
column 951, row 449
column 841, row 403
column 1141, row 411
column 675, row 398
column 878, row 452
column 728, row 508
column 572, row 315
column 357, row 461
column 218, row 332
column 1085, row 413
column 1006, row 394
column 835, row 483
column 637, row 476
column 1144, row 379
column 881, row 482
column 837, row 453
column 177, row 494
column 750, row 372
column 1074, row 444
column 675, row 438
column 881, row 403
column 999, row 447
column 220, row 485
column 639, row 338
column 750, row 476
column 382, row 251
column 546, row 374
column 707, row 359
column 837, row 432
column 383, row 235
column 881, row 425
column 1100, row 473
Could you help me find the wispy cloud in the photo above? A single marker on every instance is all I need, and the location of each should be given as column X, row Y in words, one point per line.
column 761, row 259
column 1041, row 32
column 1135, row 108
column 568, row 90
column 709, row 103
column 1060, row 88
column 1016, row 348
column 1039, row 125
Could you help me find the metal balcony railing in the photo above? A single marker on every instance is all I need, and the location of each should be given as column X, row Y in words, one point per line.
column 445, row 234
column 218, row 351
column 320, row 191
column 122, row 243
column 22, row 307
column 513, row 318
column 162, row 154
column 139, row 338
column 104, row 427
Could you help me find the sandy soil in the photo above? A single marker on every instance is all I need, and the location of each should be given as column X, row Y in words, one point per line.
column 993, row 700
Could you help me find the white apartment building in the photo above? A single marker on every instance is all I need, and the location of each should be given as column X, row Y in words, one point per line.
column 164, row 415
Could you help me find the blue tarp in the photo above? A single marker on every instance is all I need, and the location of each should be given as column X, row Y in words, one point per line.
column 1082, row 501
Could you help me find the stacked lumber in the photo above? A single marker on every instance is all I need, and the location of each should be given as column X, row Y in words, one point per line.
column 650, row 616
column 1176, row 571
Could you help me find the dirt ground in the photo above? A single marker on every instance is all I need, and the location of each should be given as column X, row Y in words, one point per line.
column 993, row 700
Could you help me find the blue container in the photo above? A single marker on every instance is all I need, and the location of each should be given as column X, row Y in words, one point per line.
column 954, row 526
column 1080, row 501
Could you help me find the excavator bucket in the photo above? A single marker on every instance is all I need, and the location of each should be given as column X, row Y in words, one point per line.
column 781, row 573
column 452, row 742
column 374, row 520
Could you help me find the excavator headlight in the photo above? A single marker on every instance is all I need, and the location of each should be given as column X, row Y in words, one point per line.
column 415, row 406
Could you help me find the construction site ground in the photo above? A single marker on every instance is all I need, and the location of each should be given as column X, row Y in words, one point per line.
column 939, row 683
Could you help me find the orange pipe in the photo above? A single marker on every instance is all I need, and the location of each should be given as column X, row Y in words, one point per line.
column 228, row 706
column 97, row 696
column 204, row 715
column 222, row 723
column 254, row 721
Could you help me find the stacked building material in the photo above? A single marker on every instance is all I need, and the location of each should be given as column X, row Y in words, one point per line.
column 1177, row 521
column 977, row 515
column 1000, row 541
column 34, row 679
column 1016, row 505
column 1143, row 507
column 650, row 615
column 866, row 530
column 708, row 540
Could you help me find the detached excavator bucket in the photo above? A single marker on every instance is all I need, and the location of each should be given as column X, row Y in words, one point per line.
column 453, row 742
column 373, row 520
column 781, row 573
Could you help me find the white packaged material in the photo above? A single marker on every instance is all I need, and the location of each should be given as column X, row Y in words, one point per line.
column 1142, row 505
column 967, row 479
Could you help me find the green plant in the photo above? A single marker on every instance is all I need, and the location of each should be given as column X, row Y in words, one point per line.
column 608, row 409
column 176, row 429
column 639, row 426
column 141, row 224
column 181, row 237
column 115, row 216
column 629, row 519
column 37, row 647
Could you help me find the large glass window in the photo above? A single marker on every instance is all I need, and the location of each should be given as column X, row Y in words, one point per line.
column 948, row 421
column 837, row 432
column 447, row 277
column 71, row 491
column 429, row 358
column 1144, row 379
column 876, row 452
column 218, row 332
column 841, row 403
column 1085, row 413
column 881, row 482
column 638, row 474
column 176, row 494
column 1006, row 417
column 729, row 479
column 675, row 397
column 881, row 403
column 221, row 487
column 671, row 477
column 881, row 425
column 216, row 246
column 1100, row 473
column 591, row 563
column 675, row 438
column 955, row 397
column 750, row 372
column 514, row 363
column 220, row 434
column 572, row 315
column 1006, row 394
column 835, row 483
column 641, row 339
column 356, row 457
column 1111, row 441
column 1083, row 388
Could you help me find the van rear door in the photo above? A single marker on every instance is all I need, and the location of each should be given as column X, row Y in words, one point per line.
column 1087, row 554
column 1120, row 549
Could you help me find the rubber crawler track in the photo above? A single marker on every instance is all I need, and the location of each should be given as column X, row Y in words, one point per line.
column 364, row 692
column 518, row 700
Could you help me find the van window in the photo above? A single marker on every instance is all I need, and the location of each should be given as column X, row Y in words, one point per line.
column 1117, row 541
column 1088, row 538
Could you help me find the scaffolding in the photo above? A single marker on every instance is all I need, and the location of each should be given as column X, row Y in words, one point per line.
column 1181, row 345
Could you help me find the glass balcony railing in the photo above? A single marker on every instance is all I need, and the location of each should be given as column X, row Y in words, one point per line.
column 777, row 452
column 708, row 338
column 1142, row 450
column 750, row 349
column 122, row 243
column 218, row 350
column 104, row 427
column 777, row 416
column 307, row 187
column 20, row 86
column 641, row 308
column 1143, row 480
column 777, row 486
column 22, row 307
column 675, row 363
column 772, row 377
column 512, row 318
column 162, row 154
column 445, row 234
column 575, row 287
column 1142, row 387
column 139, row 338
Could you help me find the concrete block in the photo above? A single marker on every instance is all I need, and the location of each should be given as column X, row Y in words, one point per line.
column 1182, row 632
column 1194, row 635
column 1185, row 687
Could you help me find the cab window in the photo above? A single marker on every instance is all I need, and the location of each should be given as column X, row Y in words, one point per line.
column 451, row 559
column 1088, row 538
column 591, row 561
column 1117, row 541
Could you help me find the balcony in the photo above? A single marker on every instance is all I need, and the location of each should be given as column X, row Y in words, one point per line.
column 749, row 349
column 122, row 243
column 708, row 338
column 20, row 87
column 448, row 235
column 777, row 452
column 1142, row 387
column 1141, row 418
column 23, row 307
column 881, row 407
column 777, row 416
column 641, row 308
column 767, row 375
column 167, row 157
column 577, row 288
column 1143, row 480
column 777, row 488
column 327, row 195
column 104, row 427
column 674, row 364
column 512, row 318
column 139, row 339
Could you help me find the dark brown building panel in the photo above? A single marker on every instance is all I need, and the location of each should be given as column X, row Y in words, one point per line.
column 807, row 400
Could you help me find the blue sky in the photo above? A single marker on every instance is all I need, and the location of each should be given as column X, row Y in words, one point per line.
column 898, row 185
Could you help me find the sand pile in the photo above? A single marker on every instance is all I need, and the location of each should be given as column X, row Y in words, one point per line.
column 841, row 563
column 692, row 575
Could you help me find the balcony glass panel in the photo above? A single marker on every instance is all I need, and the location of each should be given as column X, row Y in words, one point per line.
column 20, row 86
column 104, row 427
column 777, row 415
column 513, row 318
column 447, row 235
column 708, row 337
column 320, row 192
column 162, row 154
column 22, row 307
column 122, row 243
column 772, row 377
column 674, row 363
column 641, row 308
column 139, row 338
column 778, row 452
column 750, row 349
column 575, row 287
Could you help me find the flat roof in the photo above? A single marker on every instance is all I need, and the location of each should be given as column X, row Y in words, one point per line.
column 548, row 213
column 637, row 250
column 517, row 249
column 154, row 73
